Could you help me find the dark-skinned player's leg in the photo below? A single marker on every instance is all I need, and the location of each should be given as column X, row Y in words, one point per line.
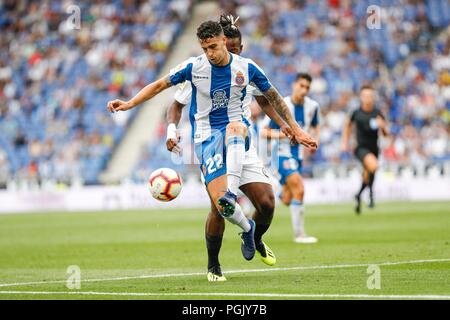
column 262, row 197
column 214, row 229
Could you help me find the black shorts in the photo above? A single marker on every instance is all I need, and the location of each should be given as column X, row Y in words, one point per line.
column 361, row 152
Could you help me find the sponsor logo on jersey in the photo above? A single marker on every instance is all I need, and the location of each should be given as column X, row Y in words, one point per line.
column 373, row 124
column 219, row 99
column 200, row 77
column 240, row 78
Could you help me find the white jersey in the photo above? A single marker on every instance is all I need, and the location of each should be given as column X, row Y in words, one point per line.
column 184, row 96
column 306, row 115
column 218, row 94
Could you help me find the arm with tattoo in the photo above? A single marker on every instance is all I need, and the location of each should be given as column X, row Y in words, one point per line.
column 267, row 108
column 277, row 101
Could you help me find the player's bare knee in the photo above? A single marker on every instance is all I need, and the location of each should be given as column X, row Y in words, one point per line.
column 236, row 129
column 267, row 204
column 286, row 199
column 372, row 167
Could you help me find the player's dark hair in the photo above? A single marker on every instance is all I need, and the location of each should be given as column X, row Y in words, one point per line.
column 230, row 30
column 366, row 86
column 303, row 75
column 209, row 29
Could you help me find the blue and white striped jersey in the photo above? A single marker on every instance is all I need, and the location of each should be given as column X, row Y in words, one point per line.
column 218, row 92
column 184, row 96
column 306, row 115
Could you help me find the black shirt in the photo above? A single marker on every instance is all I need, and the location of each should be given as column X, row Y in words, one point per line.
column 366, row 128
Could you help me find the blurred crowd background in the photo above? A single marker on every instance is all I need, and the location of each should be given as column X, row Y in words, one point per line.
column 55, row 82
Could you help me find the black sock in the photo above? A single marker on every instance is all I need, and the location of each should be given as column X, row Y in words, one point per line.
column 363, row 186
column 259, row 231
column 213, row 244
column 371, row 180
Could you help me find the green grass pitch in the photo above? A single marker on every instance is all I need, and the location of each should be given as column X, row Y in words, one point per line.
column 162, row 255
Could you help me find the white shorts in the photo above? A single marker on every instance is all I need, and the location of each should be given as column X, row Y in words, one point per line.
column 253, row 169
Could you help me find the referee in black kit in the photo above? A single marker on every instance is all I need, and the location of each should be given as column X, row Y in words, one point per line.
column 369, row 122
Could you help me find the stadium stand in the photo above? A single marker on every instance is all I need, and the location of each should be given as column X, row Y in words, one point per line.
column 55, row 81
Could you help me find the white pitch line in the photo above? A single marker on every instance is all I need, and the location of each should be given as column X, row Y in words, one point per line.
column 231, row 294
column 168, row 275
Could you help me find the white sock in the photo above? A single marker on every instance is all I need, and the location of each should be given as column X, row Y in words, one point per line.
column 238, row 218
column 235, row 161
column 298, row 217
column 247, row 207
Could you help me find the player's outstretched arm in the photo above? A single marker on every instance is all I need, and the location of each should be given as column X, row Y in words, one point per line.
column 173, row 118
column 145, row 94
column 277, row 101
column 267, row 108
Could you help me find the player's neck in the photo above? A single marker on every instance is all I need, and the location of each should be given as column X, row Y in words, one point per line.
column 367, row 108
column 297, row 100
column 225, row 61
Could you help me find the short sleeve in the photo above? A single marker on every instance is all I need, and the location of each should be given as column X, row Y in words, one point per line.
column 353, row 115
column 316, row 117
column 255, row 91
column 182, row 72
column 258, row 77
column 184, row 93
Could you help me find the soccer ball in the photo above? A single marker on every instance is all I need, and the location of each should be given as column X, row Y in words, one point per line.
column 164, row 184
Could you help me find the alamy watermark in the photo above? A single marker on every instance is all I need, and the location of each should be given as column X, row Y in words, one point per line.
column 374, row 19
column 73, row 22
column 374, row 279
column 74, row 277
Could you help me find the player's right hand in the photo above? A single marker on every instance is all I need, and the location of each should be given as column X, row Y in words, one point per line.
column 344, row 147
column 118, row 105
column 172, row 145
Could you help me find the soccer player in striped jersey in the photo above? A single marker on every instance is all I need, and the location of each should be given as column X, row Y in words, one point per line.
column 253, row 182
column 219, row 81
column 287, row 158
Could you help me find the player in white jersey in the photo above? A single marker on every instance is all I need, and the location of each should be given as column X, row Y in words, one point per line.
column 254, row 181
column 287, row 158
column 219, row 81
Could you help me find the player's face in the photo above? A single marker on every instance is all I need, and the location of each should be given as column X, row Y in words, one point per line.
column 234, row 45
column 367, row 97
column 215, row 49
column 300, row 88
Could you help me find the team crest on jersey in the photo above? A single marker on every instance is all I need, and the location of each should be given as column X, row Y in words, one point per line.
column 219, row 99
column 240, row 78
